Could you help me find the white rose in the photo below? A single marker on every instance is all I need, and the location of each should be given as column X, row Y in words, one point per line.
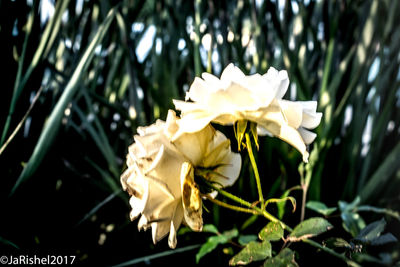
column 160, row 175
column 256, row 98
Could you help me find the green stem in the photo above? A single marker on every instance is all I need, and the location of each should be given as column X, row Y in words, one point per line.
column 303, row 202
column 229, row 195
column 255, row 169
column 247, row 204
column 332, row 252
column 229, row 206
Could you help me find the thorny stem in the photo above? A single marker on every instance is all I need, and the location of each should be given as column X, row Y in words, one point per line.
column 303, row 202
column 255, row 169
column 270, row 217
column 229, row 195
column 229, row 206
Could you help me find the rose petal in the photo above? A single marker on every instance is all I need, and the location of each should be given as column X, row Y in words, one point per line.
column 164, row 172
column 293, row 112
column 213, row 83
column 278, row 82
column 274, row 122
column 227, row 174
column 231, row 74
column 164, row 217
column 193, row 122
column 308, row 137
column 311, row 120
column 175, row 223
column 198, row 91
column 194, row 146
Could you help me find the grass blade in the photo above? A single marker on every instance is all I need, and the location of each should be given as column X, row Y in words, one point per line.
column 44, row 42
column 157, row 255
column 98, row 206
column 51, row 127
column 382, row 175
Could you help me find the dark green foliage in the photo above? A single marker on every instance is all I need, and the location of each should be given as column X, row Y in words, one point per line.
column 284, row 259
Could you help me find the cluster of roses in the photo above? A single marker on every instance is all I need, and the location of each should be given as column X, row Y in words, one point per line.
column 165, row 156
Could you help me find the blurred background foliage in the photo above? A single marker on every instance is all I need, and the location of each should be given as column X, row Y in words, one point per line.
column 80, row 76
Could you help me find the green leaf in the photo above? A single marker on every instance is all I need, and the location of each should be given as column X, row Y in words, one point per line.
column 210, row 245
column 213, row 241
column 184, row 230
column 281, row 205
column 320, row 208
column 371, row 234
column 344, row 206
column 245, row 239
column 384, row 239
column 210, row 228
column 283, row 199
column 273, row 231
column 254, row 251
column 336, row 242
column 284, row 259
column 352, row 221
column 309, row 228
column 371, row 231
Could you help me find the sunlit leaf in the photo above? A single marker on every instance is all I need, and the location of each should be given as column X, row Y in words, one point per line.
column 284, row 199
column 213, row 241
column 281, row 205
column 320, row 207
column 273, row 231
column 210, row 228
column 309, row 228
column 253, row 251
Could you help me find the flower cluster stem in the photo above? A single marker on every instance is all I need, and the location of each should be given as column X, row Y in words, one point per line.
column 271, row 218
column 255, row 169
